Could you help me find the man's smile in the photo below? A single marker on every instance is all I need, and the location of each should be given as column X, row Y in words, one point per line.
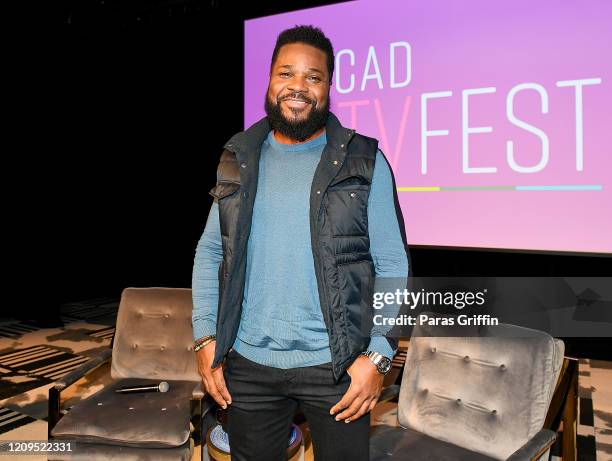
column 296, row 103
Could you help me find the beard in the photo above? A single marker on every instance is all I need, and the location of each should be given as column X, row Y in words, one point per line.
column 297, row 129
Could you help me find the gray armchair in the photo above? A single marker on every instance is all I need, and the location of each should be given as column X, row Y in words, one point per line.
column 478, row 398
column 153, row 342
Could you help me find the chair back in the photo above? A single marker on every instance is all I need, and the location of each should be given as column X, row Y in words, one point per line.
column 488, row 393
column 154, row 335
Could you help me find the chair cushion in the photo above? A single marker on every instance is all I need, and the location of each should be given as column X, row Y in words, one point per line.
column 150, row 419
column 103, row 452
column 389, row 443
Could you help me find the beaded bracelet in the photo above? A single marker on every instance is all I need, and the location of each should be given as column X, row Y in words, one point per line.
column 200, row 343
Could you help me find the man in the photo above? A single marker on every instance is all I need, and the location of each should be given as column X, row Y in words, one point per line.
column 303, row 229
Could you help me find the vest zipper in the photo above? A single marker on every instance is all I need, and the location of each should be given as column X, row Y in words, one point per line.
column 320, row 266
column 324, row 285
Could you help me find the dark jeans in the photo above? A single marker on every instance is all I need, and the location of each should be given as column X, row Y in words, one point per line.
column 265, row 399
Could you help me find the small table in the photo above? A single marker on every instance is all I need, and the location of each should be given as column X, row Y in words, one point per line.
column 218, row 446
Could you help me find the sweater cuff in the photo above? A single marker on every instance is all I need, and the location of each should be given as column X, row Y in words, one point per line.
column 381, row 345
column 203, row 327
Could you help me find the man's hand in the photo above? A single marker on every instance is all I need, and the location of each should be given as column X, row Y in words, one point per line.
column 362, row 394
column 213, row 379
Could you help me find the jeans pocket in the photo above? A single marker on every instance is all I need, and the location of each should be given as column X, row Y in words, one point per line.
column 229, row 359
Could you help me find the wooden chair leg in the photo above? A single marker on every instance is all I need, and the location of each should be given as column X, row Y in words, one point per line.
column 570, row 414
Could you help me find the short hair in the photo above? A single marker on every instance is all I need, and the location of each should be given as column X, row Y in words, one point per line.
column 309, row 35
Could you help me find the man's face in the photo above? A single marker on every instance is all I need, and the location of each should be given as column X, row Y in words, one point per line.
column 297, row 100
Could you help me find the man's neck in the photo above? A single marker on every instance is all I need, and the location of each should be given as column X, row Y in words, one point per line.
column 282, row 139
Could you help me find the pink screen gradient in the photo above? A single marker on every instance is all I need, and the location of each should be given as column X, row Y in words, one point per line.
column 495, row 116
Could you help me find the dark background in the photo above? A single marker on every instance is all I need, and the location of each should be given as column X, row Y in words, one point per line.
column 150, row 91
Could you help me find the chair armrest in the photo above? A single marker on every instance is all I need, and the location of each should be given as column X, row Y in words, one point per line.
column 55, row 401
column 535, row 447
column 201, row 414
column 198, row 392
column 81, row 371
column 389, row 393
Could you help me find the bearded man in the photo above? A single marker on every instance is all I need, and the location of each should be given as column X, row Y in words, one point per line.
column 303, row 226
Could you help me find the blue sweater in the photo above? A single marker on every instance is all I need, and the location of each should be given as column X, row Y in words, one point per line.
column 282, row 323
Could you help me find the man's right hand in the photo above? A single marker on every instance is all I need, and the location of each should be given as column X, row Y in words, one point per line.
column 213, row 379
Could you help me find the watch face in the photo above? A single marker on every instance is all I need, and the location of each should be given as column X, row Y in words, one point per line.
column 384, row 365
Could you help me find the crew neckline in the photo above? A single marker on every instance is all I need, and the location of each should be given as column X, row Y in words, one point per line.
column 301, row 147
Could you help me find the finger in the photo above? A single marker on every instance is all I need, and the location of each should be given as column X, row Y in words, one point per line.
column 211, row 388
column 351, row 410
column 221, row 387
column 373, row 404
column 365, row 407
column 345, row 401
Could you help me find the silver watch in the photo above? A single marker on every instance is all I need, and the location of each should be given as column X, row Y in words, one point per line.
column 382, row 363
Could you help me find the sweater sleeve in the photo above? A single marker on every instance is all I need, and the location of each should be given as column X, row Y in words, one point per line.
column 387, row 249
column 205, row 281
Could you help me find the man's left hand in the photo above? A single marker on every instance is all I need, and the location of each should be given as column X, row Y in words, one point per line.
column 363, row 392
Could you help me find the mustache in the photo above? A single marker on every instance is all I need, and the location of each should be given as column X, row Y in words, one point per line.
column 298, row 96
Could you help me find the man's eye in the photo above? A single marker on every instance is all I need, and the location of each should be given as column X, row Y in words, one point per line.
column 284, row 74
column 315, row 79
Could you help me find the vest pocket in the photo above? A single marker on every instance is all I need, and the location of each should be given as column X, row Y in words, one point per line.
column 226, row 197
column 356, row 281
column 224, row 189
column 348, row 210
column 351, row 180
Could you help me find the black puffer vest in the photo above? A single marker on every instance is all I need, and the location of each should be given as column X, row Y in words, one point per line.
column 338, row 228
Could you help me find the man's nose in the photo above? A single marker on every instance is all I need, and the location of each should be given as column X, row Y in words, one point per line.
column 298, row 83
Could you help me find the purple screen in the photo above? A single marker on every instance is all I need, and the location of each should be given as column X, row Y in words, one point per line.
column 495, row 116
